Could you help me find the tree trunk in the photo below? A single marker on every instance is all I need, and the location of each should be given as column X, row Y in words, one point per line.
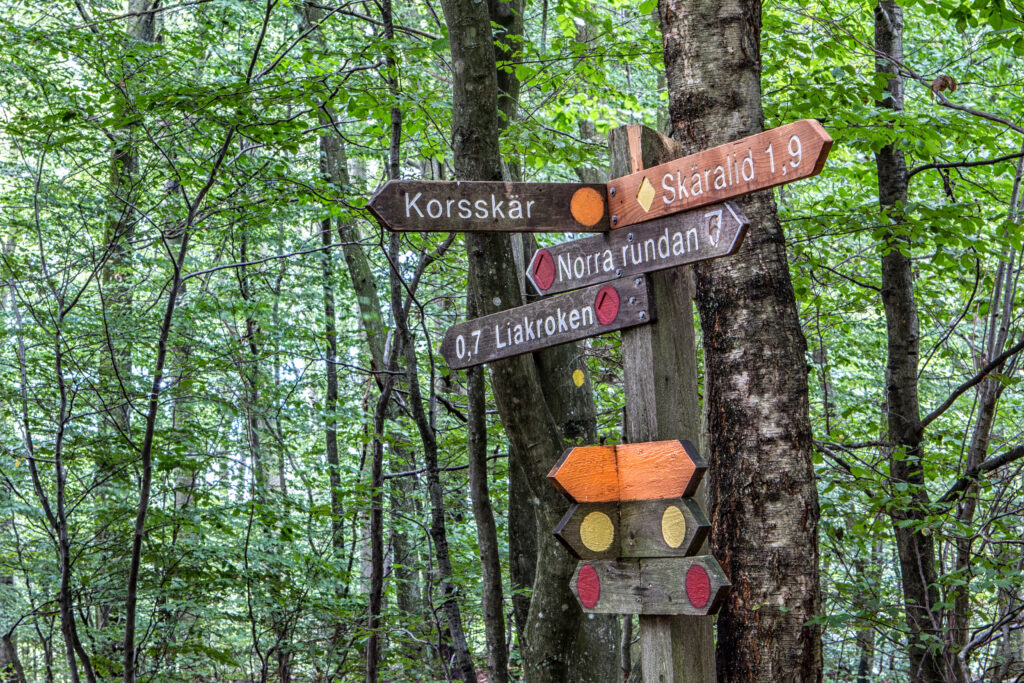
column 915, row 547
column 764, row 504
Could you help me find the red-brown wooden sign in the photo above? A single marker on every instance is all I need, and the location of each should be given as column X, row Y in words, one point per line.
column 758, row 162
column 635, row 471
column 478, row 206
column 643, row 528
column 693, row 586
column 714, row 231
column 549, row 322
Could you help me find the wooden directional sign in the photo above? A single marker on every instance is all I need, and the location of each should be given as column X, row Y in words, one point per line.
column 711, row 232
column 693, row 586
column 635, row 471
column 549, row 322
column 642, row 528
column 472, row 206
column 758, row 162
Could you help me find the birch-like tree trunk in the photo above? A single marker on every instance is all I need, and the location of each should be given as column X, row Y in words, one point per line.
column 764, row 505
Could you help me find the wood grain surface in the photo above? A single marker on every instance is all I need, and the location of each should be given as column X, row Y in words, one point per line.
column 580, row 314
column 693, row 586
column 637, row 529
column 758, row 162
column 628, row 472
column 479, row 206
column 711, row 232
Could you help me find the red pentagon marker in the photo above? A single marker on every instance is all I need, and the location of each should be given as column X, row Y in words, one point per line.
column 606, row 305
column 542, row 270
column 636, row 471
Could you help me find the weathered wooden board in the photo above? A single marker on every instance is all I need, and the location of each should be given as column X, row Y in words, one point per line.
column 642, row 528
column 549, row 322
column 758, row 162
column 693, row 236
column 693, row 586
column 635, row 471
column 477, row 206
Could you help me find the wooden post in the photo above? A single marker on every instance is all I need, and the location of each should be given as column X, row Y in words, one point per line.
column 660, row 369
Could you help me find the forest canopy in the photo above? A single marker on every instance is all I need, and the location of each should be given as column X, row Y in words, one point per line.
column 231, row 450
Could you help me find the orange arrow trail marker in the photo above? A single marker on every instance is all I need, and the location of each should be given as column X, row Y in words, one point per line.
column 635, row 471
column 479, row 206
column 644, row 528
column 712, row 232
column 758, row 162
column 693, row 586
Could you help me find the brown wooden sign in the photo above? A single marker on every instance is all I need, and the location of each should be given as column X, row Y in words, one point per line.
column 758, row 162
column 708, row 233
column 642, row 528
column 475, row 206
column 694, row 586
column 549, row 322
column 633, row 471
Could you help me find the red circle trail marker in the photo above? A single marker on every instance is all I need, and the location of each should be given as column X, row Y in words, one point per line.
column 606, row 305
column 588, row 586
column 698, row 586
column 543, row 270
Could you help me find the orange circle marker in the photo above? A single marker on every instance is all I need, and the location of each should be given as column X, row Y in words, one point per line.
column 587, row 206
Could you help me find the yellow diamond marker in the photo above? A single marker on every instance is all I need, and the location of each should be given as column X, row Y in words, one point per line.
column 673, row 526
column 597, row 531
column 645, row 195
column 578, row 378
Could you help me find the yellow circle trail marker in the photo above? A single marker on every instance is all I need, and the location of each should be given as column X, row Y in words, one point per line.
column 673, row 526
column 597, row 531
column 578, row 378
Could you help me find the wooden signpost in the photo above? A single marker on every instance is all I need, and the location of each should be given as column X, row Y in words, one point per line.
column 476, row 206
column 690, row 586
column 634, row 523
column 714, row 231
column 758, row 162
column 630, row 471
column 669, row 527
column 549, row 322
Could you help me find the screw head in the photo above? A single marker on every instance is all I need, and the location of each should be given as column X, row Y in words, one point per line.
column 618, row 272
column 615, row 220
column 642, row 315
column 611, row 191
column 639, row 281
column 629, row 237
column 632, row 299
